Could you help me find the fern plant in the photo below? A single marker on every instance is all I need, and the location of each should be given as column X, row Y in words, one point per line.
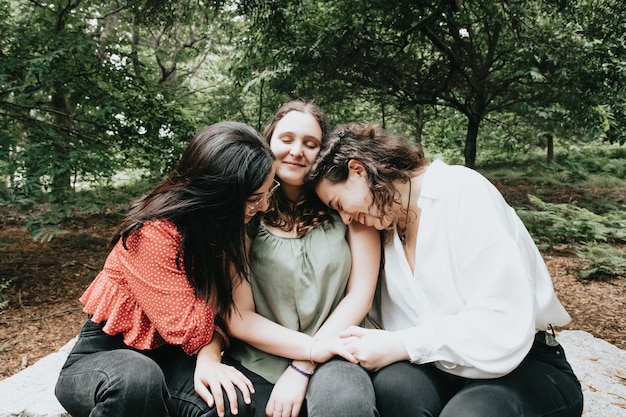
column 590, row 234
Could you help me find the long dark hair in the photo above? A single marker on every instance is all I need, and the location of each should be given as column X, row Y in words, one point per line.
column 386, row 157
column 204, row 197
column 309, row 210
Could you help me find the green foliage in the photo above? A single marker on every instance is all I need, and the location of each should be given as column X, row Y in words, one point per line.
column 601, row 261
column 44, row 222
column 591, row 235
column 552, row 224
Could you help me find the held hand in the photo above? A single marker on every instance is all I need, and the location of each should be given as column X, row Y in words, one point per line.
column 288, row 395
column 211, row 376
column 374, row 349
column 324, row 349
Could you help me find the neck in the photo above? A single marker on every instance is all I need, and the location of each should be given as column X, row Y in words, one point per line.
column 292, row 192
column 406, row 212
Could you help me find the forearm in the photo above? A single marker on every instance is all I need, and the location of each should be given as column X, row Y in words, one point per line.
column 349, row 312
column 270, row 337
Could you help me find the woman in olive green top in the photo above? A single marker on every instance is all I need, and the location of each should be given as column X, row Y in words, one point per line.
column 311, row 277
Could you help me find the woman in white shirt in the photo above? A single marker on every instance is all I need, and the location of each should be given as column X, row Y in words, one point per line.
column 465, row 310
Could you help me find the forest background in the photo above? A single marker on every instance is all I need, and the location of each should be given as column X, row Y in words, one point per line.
column 99, row 98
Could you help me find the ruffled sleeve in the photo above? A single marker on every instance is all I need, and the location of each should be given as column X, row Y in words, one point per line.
column 142, row 294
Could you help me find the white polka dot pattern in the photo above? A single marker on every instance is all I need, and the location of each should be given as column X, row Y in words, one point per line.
column 143, row 295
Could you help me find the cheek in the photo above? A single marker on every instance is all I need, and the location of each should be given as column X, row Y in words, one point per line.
column 279, row 149
column 311, row 154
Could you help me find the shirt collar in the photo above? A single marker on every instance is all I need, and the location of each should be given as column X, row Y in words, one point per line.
column 431, row 184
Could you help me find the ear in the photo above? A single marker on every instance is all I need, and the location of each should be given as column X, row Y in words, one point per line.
column 356, row 167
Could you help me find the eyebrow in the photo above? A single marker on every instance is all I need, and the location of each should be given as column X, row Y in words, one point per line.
column 294, row 134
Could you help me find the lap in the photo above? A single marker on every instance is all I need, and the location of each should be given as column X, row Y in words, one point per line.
column 542, row 385
column 100, row 363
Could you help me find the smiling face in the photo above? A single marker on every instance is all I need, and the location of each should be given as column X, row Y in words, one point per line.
column 296, row 142
column 353, row 198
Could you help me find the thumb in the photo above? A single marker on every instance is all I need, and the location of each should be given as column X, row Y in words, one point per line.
column 353, row 331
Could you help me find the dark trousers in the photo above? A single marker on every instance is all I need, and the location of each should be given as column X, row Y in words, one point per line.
column 542, row 385
column 104, row 377
column 337, row 389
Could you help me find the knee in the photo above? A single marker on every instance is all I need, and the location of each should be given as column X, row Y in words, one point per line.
column 136, row 374
column 341, row 388
column 124, row 381
column 388, row 381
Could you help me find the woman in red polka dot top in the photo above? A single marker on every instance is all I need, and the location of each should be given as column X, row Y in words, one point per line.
column 152, row 343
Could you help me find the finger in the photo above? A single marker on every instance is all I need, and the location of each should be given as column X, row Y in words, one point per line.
column 347, row 356
column 352, row 331
column 295, row 411
column 351, row 343
column 231, row 394
column 346, row 353
column 246, row 388
column 203, row 392
column 216, row 390
column 277, row 411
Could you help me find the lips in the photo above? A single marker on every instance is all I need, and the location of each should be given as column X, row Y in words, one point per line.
column 294, row 164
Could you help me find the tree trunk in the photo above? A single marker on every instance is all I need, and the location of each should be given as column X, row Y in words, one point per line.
column 470, row 141
column 419, row 124
column 260, row 115
column 61, row 180
column 550, row 147
column 382, row 110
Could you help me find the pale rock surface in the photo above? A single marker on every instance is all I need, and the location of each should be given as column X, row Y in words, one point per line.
column 600, row 367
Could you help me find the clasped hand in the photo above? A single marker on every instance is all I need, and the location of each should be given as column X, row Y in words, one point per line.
column 373, row 348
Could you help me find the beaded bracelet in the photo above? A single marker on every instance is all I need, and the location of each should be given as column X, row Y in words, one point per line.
column 300, row 371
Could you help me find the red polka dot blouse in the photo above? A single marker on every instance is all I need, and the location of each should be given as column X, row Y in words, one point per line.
column 143, row 295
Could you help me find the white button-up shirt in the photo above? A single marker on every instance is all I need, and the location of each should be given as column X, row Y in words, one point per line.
column 480, row 289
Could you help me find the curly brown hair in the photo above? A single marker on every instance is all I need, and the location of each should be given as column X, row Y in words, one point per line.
column 308, row 211
column 387, row 158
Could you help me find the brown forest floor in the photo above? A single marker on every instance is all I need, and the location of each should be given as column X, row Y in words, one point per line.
column 43, row 313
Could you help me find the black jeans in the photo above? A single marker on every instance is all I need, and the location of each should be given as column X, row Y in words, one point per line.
column 104, row 377
column 542, row 385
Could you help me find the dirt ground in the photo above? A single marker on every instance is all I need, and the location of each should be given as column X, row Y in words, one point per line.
column 43, row 311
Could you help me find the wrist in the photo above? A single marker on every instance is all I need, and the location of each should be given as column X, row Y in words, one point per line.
column 311, row 351
column 212, row 352
column 301, row 369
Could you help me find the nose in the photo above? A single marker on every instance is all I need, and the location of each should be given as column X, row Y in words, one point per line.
column 347, row 219
column 296, row 148
column 264, row 205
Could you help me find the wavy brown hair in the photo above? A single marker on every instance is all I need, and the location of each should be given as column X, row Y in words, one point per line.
column 386, row 157
column 308, row 211
column 204, row 197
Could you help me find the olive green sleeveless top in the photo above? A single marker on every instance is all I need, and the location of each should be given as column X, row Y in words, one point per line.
column 296, row 282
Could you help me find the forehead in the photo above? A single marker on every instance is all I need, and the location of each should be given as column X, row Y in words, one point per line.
column 329, row 192
column 297, row 121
